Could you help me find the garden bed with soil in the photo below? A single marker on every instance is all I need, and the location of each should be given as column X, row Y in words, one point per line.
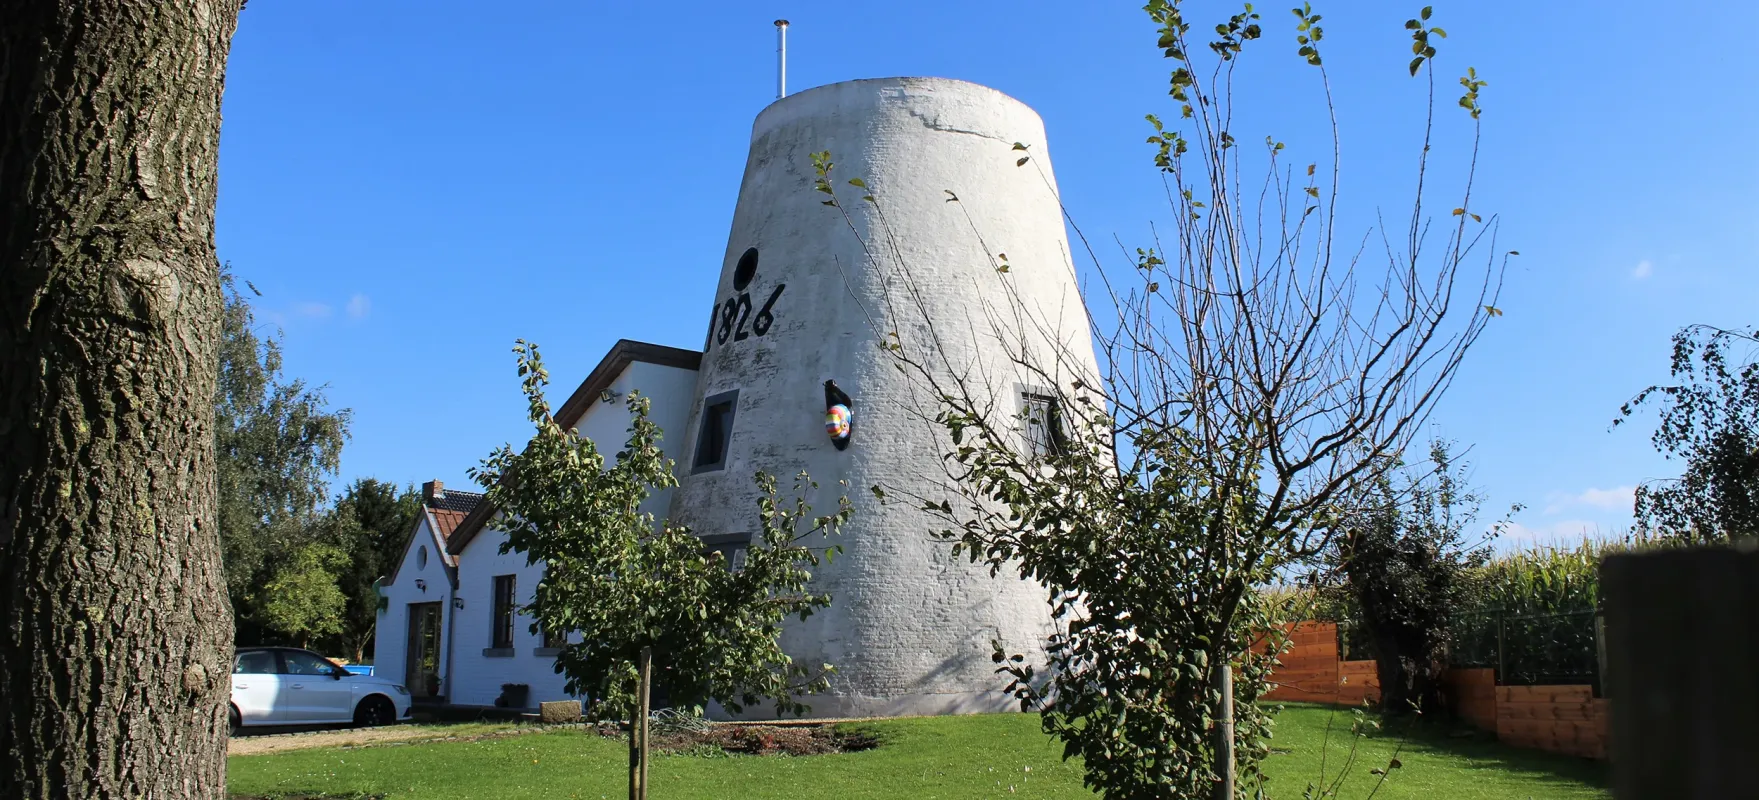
column 758, row 740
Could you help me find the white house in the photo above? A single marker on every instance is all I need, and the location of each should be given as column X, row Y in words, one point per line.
column 454, row 598
column 419, row 596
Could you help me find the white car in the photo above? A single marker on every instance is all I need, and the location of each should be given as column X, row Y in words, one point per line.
column 290, row 686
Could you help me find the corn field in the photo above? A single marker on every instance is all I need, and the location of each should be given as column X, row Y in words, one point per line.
column 1534, row 614
column 1542, row 580
column 1531, row 614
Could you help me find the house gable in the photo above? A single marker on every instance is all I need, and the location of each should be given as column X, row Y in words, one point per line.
column 424, row 534
column 612, row 370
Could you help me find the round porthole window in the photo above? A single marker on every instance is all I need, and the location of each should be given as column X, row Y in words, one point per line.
column 745, row 270
column 421, row 557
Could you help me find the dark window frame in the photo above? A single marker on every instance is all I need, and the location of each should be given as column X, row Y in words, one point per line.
column 722, row 436
column 1053, row 439
column 730, row 545
column 503, row 605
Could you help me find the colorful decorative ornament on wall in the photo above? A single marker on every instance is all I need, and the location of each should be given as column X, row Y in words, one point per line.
column 839, row 415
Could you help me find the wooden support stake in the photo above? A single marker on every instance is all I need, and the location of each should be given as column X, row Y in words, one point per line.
column 634, row 753
column 647, row 678
column 1224, row 731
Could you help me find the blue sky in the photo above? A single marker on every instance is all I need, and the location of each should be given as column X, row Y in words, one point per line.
column 415, row 185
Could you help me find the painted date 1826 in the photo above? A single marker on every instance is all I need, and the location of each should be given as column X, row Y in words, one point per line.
column 733, row 319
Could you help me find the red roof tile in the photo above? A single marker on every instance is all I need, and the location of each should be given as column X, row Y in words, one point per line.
column 446, row 520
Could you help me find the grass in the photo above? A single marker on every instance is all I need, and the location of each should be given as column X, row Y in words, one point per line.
column 1437, row 765
column 946, row 757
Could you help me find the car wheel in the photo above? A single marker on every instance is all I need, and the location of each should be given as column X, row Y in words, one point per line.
column 236, row 722
column 373, row 711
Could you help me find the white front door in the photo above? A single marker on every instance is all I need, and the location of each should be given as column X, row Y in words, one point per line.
column 310, row 691
column 256, row 685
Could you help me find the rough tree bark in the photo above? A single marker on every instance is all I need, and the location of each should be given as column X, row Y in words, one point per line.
column 1407, row 655
column 1409, row 682
column 114, row 669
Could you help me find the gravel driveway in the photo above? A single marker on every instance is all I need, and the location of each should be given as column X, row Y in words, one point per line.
column 261, row 744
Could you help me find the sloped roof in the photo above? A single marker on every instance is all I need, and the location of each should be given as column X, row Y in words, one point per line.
column 454, row 500
column 446, row 520
column 623, row 353
column 443, row 516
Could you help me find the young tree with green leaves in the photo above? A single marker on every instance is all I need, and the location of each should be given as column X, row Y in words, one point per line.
column 623, row 584
column 1709, row 420
column 1259, row 367
column 372, row 522
column 1401, row 564
column 278, row 443
column 302, row 599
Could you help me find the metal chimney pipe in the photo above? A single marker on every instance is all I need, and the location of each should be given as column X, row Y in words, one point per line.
column 781, row 58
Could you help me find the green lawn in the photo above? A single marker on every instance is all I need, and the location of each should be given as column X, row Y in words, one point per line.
column 948, row 757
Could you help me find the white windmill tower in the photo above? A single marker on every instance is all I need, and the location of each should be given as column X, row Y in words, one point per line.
column 801, row 302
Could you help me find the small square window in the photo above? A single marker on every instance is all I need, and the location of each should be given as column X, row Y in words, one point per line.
column 715, row 432
column 731, row 546
column 1044, row 424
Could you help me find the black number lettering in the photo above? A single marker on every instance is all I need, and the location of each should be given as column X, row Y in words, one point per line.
column 727, row 320
column 764, row 319
column 739, row 334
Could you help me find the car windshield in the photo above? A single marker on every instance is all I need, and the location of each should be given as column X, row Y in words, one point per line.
column 299, row 663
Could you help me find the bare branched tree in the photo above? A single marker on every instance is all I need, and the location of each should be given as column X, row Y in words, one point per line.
column 1256, row 368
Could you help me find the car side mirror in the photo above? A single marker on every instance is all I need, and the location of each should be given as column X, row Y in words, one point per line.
column 339, row 674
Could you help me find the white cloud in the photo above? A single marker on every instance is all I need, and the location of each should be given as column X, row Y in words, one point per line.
column 358, row 306
column 297, row 311
column 1618, row 498
column 1643, row 269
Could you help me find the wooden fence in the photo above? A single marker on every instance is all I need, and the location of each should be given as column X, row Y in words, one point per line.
column 1473, row 694
column 1559, row 719
column 1310, row 670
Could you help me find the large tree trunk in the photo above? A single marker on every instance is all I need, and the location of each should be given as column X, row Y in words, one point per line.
column 1410, row 675
column 114, row 665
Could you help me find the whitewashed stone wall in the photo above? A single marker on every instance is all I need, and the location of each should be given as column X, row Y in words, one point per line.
column 910, row 627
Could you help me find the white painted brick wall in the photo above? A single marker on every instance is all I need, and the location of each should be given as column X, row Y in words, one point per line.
column 476, row 678
column 391, row 636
